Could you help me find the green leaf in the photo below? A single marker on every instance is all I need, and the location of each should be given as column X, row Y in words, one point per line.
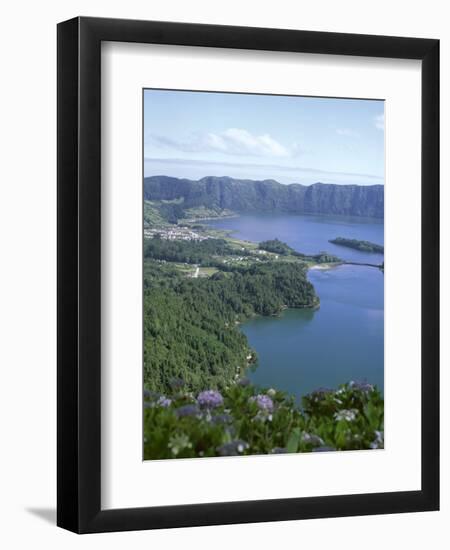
column 372, row 415
column 293, row 441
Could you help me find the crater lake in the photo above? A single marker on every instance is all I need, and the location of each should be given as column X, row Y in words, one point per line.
column 343, row 340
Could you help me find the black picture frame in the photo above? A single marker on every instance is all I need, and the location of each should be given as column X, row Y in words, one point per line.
column 79, row 280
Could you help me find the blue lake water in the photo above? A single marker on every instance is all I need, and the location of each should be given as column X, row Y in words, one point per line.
column 308, row 234
column 341, row 341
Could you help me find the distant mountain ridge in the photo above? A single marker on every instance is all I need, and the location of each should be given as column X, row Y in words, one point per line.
column 225, row 193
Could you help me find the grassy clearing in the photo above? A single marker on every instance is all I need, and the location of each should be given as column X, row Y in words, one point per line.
column 207, row 271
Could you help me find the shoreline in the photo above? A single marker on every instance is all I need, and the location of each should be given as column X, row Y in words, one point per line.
column 208, row 218
column 325, row 267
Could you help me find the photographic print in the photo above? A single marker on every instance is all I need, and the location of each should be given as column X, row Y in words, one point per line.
column 221, row 274
column 263, row 274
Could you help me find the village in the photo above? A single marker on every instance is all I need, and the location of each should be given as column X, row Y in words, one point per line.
column 174, row 233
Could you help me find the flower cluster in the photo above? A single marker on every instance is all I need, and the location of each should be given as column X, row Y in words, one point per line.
column 210, row 399
column 164, row 401
column 153, row 399
column 361, row 386
column 263, row 402
column 346, row 414
column 187, row 410
column 242, row 419
column 178, row 443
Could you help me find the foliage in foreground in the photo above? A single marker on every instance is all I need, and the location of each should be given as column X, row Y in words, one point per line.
column 244, row 420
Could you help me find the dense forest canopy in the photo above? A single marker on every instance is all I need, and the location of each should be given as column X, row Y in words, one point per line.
column 276, row 246
column 191, row 252
column 190, row 327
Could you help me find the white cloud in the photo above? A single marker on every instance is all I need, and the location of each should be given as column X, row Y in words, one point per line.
column 379, row 122
column 232, row 141
column 347, row 132
column 242, row 141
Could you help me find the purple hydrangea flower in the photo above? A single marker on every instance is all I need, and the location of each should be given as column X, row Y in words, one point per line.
column 151, row 395
column 152, row 399
column 187, row 410
column 164, row 401
column 263, row 402
column 361, row 386
column 210, row 399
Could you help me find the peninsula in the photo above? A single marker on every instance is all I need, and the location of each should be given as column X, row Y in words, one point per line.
column 362, row 246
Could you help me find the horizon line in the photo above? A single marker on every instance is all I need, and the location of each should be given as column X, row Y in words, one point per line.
column 266, row 180
column 262, row 167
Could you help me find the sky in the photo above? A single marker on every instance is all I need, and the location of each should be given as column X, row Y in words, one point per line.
column 291, row 139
